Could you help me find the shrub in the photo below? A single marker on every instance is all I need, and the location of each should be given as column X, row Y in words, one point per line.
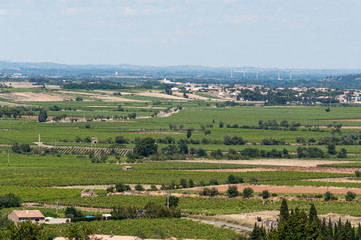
column 265, row 194
column 232, row 191
column 234, row 179
column 120, row 187
column 329, row 196
column 209, row 192
column 213, row 182
column 350, row 196
column 139, row 187
column 247, row 192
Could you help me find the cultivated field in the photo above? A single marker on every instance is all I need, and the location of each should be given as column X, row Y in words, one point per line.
column 232, row 140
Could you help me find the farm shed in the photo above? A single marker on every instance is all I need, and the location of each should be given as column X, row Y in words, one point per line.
column 88, row 193
column 24, row 215
column 127, row 168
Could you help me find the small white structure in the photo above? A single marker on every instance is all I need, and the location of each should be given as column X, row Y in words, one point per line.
column 127, row 168
column 51, row 220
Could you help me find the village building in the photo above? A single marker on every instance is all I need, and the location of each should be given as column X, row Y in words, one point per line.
column 24, row 215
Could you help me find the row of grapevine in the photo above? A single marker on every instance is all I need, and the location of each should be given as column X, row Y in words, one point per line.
column 75, row 150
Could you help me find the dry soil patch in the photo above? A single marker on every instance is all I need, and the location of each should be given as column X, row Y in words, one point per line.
column 272, row 162
column 34, row 97
column 285, row 189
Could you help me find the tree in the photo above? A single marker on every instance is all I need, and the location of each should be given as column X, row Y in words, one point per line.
column 72, row 212
column 145, row 147
column 232, row 191
column 9, row 200
column 183, row 147
column 173, row 201
column 121, row 140
column 121, row 187
column 265, row 194
column 190, row 183
column 357, row 173
column 16, row 147
column 26, row 231
column 43, row 115
column 87, row 125
column 284, row 213
column 139, row 187
column 350, row 196
column 183, row 183
column 313, row 213
column 342, row 153
column 331, row 148
column 234, row 179
column 328, row 196
column 189, row 133
column 247, row 192
column 79, row 232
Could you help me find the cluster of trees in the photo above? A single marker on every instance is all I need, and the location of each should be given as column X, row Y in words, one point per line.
column 297, row 224
column 233, row 192
column 254, row 152
column 151, row 210
column 16, row 147
column 16, row 112
column 9, row 200
column 310, row 152
column 275, row 96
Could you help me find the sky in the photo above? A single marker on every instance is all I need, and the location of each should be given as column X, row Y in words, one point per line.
column 216, row 33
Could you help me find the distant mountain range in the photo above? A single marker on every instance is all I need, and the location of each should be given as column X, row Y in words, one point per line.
column 51, row 65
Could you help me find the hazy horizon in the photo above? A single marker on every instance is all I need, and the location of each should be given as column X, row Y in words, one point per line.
column 310, row 34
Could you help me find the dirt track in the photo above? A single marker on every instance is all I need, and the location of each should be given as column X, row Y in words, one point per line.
column 285, row 189
column 272, row 162
column 300, row 169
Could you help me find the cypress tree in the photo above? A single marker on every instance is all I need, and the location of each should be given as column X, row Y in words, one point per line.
column 313, row 213
column 358, row 233
column 284, row 213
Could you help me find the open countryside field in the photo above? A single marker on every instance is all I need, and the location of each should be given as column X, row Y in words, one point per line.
column 67, row 161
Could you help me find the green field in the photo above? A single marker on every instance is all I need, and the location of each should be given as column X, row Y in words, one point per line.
column 35, row 176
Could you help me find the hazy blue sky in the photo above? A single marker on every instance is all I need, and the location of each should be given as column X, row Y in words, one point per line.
column 261, row 33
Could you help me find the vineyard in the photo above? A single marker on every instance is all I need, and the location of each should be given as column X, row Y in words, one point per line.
column 213, row 206
column 168, row 227
column 36, row 175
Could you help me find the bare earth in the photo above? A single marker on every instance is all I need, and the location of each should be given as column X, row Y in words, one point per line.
column 159, row 95
column 272, row 162
column 285, row 189
column 116, row 99
column 34, row 97
column 300, row 169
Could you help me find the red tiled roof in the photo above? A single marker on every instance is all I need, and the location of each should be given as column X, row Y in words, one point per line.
column 28, row 214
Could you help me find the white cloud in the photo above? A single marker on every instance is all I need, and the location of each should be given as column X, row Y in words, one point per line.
column 3, row 11
column 75, row 11
column 128, row 11
column 245, row 18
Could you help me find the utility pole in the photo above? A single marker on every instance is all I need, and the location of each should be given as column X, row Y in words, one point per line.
column 168, row 195
column 57, row 208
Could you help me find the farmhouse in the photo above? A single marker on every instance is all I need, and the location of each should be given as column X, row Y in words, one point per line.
column 24, row 215
column 88, row 193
